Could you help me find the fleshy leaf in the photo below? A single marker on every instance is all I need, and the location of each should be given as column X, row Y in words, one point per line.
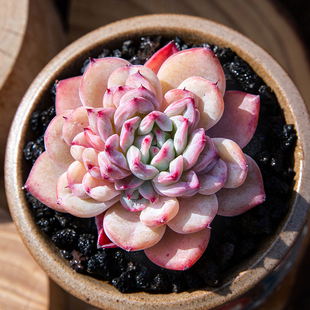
column 76, row 206
column 120, row 76
column 137, row 167
column 235, row 201
column 109, row 170
column 178, row 94
column 196, row 143
column 180, row 137
column 94, row 140
column 163, row 158
column 79, row 144
column 95, row 78
column 186, row 108
column 75, row 174
column 214, row 180
column 125, row 229
column 90, row 161
column 211, row 104
column 187, row 186
column 56, row 147
column 198, row 61
column 154, row 118
column 143, row 93
column 207, row 158
column 127, row 135
column 112, row 151
column 131, row 200
column 67, row 94
column 195, row 213
column 135, row 107
column 161, row 212
column 147, row 191
column 138, row 80
column 240, row 118
column 161, row 55
column 179, row 252
column 174, row 174
column 129, row 182
column 105, row 123
column 75, row 123
column 103, row 241
column 233, row 157
column 44, row 169
column 98, row 189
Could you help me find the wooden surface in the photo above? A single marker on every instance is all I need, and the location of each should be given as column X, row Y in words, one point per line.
column 22, row 282
column 260, row 20
column 30, row 34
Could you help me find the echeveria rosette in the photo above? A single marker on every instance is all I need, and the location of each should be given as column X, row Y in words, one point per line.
column 154, row 152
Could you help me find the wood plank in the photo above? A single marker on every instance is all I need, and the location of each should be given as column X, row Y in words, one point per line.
column 23, row 284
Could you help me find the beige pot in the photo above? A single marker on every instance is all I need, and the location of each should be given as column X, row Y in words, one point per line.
column 248, row 280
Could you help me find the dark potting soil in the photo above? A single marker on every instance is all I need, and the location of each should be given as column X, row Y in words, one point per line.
column 232, row 239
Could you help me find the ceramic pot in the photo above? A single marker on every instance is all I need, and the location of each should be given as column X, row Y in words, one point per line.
column 248, row 283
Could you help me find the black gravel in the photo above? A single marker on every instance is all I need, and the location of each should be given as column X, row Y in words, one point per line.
column 232, row 239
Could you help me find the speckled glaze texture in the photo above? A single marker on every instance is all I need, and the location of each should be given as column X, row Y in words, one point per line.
column 243, row 279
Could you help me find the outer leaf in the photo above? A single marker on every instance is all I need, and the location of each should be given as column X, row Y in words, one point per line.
column 192, row 62
column 240, row 118
column 238, row 200
column 103, row 240
column 44, row 169
column 160, row 56
column 179, row 252
column 67, row 94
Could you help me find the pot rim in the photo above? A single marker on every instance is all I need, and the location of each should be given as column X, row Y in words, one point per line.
column 191, row 28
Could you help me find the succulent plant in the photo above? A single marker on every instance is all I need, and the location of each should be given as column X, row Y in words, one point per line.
column 152, row 151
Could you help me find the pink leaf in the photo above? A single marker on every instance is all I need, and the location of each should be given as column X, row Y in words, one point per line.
column 211, row 104
column 160, row 56
column 160, row 212
column 232, row 155
column 179, row 252
column 198, row 61
column 67, row 94
column 103, row 241
column 195, row 213
column 95, row 79
column 240, row 117
column 238, row 200
column 44, row 169
column 212, row 181
column 56, row 147
column 76, row 206
column 126, row 230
